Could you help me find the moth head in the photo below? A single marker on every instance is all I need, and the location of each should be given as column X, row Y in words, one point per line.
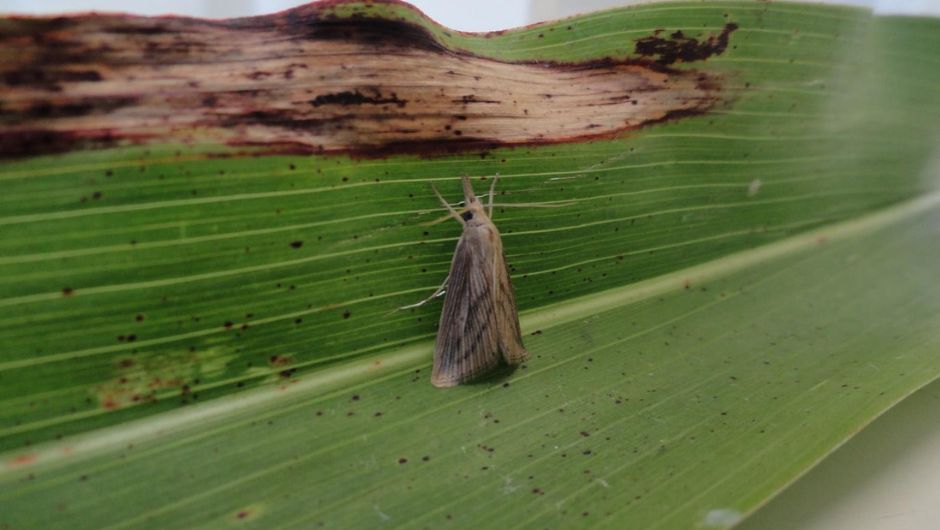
column 474, row 208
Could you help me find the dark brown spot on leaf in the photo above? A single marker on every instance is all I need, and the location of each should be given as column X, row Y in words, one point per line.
column 679, row 48
column 355, row 97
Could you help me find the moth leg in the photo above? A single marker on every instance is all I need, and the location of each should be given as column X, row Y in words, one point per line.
column 440, row 291
column 492, row 189
column 447, row 205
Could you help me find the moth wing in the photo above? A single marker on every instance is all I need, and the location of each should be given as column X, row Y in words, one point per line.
column 507, row 322
column 468, row 337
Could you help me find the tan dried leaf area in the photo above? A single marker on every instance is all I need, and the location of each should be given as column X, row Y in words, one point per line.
column 304, row 81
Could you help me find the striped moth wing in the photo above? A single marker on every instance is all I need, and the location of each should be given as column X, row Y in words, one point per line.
column 479, row 326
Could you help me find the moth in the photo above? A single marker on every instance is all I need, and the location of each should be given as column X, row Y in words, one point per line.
column 479, row 326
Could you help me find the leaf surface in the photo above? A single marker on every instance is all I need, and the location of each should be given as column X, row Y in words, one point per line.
column 714, row 303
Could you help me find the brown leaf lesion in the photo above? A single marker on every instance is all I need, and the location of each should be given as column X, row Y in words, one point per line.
column 302, row 81
column 678, row 47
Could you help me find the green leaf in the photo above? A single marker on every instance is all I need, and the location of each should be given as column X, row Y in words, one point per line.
column 197, row 338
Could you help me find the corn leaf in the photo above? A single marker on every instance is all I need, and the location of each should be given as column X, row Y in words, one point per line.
column 199, row 296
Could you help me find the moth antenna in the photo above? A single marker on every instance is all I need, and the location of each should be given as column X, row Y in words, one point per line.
column 492, row 189
column 447, row 205
column 443, row 218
